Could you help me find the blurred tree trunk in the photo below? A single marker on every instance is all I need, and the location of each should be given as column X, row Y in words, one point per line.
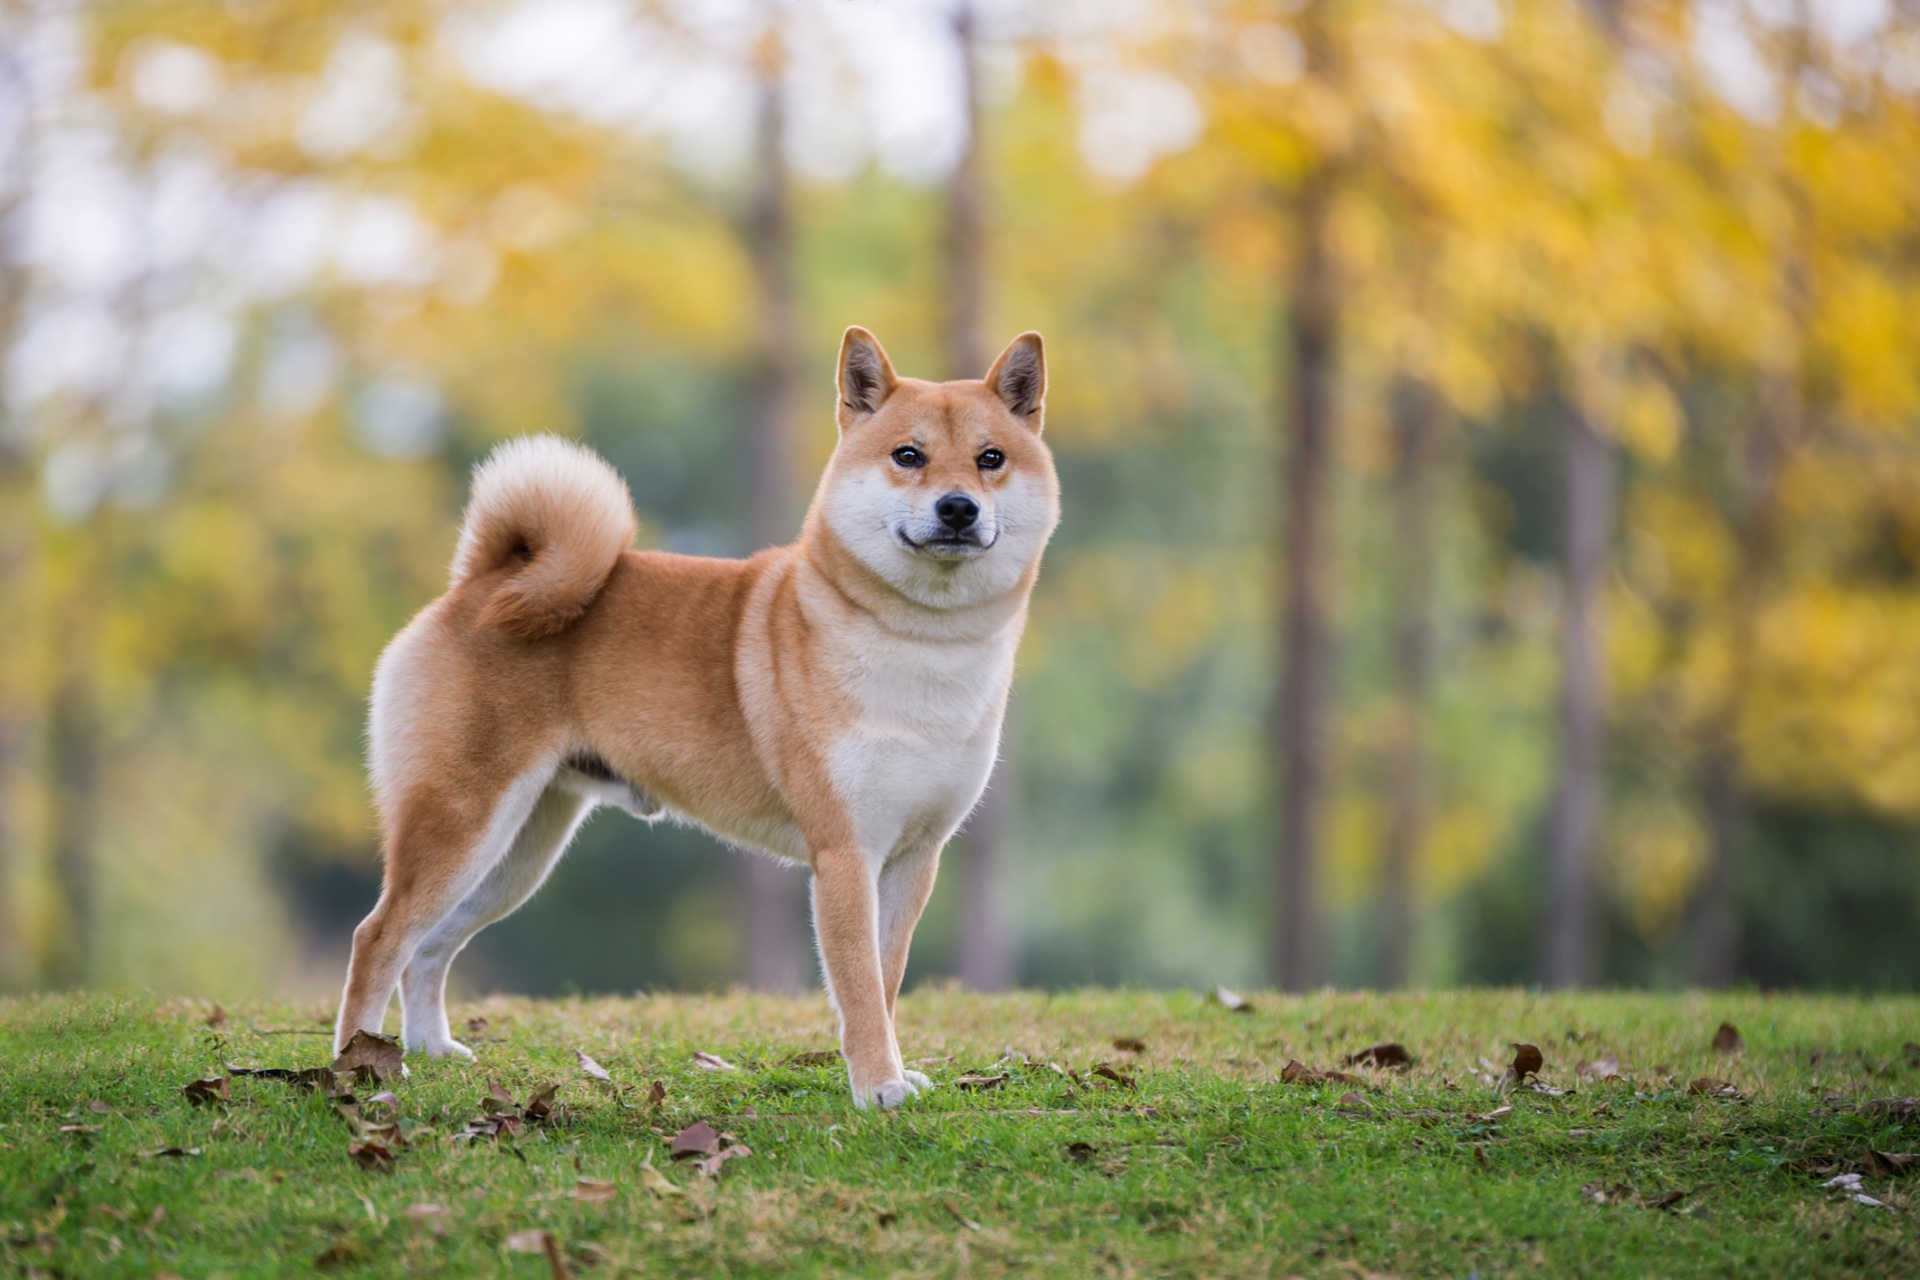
column 774, row 894
column 1716, row 910
column 1298, row 719
column 1570, row 954
column 988, row 958
column 1416, row 409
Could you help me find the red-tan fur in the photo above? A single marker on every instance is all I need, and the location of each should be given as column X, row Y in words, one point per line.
column 837, row 701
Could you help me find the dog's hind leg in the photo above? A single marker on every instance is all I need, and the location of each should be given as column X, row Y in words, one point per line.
column 534, row 851
column 439, row 851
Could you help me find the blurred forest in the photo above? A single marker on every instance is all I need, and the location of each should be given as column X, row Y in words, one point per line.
column 1490, row 436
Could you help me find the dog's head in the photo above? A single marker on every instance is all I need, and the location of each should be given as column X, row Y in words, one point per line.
column 942, row 489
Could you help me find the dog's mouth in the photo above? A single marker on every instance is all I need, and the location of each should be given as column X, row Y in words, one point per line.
column 947, row 544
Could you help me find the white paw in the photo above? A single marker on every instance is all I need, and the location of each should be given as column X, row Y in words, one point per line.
column 918, row 1080
column 444, row 1049
column 889, row 1095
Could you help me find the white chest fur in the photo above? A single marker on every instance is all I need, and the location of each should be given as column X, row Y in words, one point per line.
column 917, row 755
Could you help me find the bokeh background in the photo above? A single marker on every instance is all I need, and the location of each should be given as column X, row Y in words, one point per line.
column 1490, row 436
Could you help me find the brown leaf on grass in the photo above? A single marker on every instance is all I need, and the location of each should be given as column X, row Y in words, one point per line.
column 1708, row 1087
column 216, row 1017
column 1130, row 1044
column 1497, row 1114
column 592, row 1068
column 174, row 1153
column 476, row 1025
column 202, row 1092
column 1106, row 1072
column 712, row 1062
column 369, row 1057
column 710, row 1166
column 372, row 1156
column 1605, row 1068
column 1889, row 1164
column 813, row 1058
column 321, row 1078
column 1081, row 1150
column 652, row 1180
column 1899, row 1108
column 1297, row 1072
column 384, row 1098
column 1352, row 1099
column 594, row 1191
column 1527, row 1060
column 540, row 1106
column 1232, row 1000
column 697, row 1139
column 657, row 1094
column 1666, row 1201
column 1391, row 1054
column 1727, row 1041
column 340, row 1253
column 886, row 1218
column 974, row 1084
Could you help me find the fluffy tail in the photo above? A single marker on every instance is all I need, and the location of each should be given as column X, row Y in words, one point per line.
column 559, row 512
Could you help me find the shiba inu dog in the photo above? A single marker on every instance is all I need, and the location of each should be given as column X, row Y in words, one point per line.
column 835, row 702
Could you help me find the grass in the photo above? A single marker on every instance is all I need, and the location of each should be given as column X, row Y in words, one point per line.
column 1209, row 1165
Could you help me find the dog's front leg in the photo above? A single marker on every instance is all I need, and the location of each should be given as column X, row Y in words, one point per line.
column 905, row 885
column 846, row 922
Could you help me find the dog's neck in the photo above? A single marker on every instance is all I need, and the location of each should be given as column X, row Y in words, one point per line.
column 821, row 554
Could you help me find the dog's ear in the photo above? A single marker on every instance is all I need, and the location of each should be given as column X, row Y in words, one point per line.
column 866, row 376
column 1019, row 378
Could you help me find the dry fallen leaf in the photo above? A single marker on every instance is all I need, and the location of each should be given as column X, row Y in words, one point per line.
column 1527, row 1059
column 594, row 1191
column 369, row 1057
column 476, row 1025
column 1130, row 1044
column 657, row 1094
column 1352, row 1099
column 338, row 1254
column 1898, row 1108
column 372, row 1156
column 1727, row 1040
column 540, row 1104
column 1666, row 1201
column 712, row 1062
column 201, row 1092
column 652, row 1180
column 1106, row 1072
column 1606, row 1068
column 975, row 1083
column 321, row 1078
column 174, row 1153
column 1081, row 1150
column 710, row 1166
column 217, row 1017
column 1390, row 1054
column 1708, row 1087
column 1297, row 1072
column 592, row 1068
column 1230, row 999
column 697, row 1139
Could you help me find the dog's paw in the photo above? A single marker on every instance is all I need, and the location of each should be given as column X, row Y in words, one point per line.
column 918, row 1079
column 444, row 1049
column 892, row 1093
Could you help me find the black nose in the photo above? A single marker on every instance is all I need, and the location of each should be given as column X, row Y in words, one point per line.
column 957, row 511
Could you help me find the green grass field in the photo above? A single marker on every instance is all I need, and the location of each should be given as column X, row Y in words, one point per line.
column 1200, row 1159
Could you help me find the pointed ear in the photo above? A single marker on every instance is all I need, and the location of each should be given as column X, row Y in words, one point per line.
column 865, row 376
column 1019, row 378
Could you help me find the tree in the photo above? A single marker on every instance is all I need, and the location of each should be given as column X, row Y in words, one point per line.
column 774, row 894
column 1299, row 720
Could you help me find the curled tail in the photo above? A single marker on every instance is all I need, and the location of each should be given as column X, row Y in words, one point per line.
column 559, row 513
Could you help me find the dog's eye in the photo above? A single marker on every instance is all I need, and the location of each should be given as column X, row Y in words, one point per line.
column 991, row 460
column 908, row 456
